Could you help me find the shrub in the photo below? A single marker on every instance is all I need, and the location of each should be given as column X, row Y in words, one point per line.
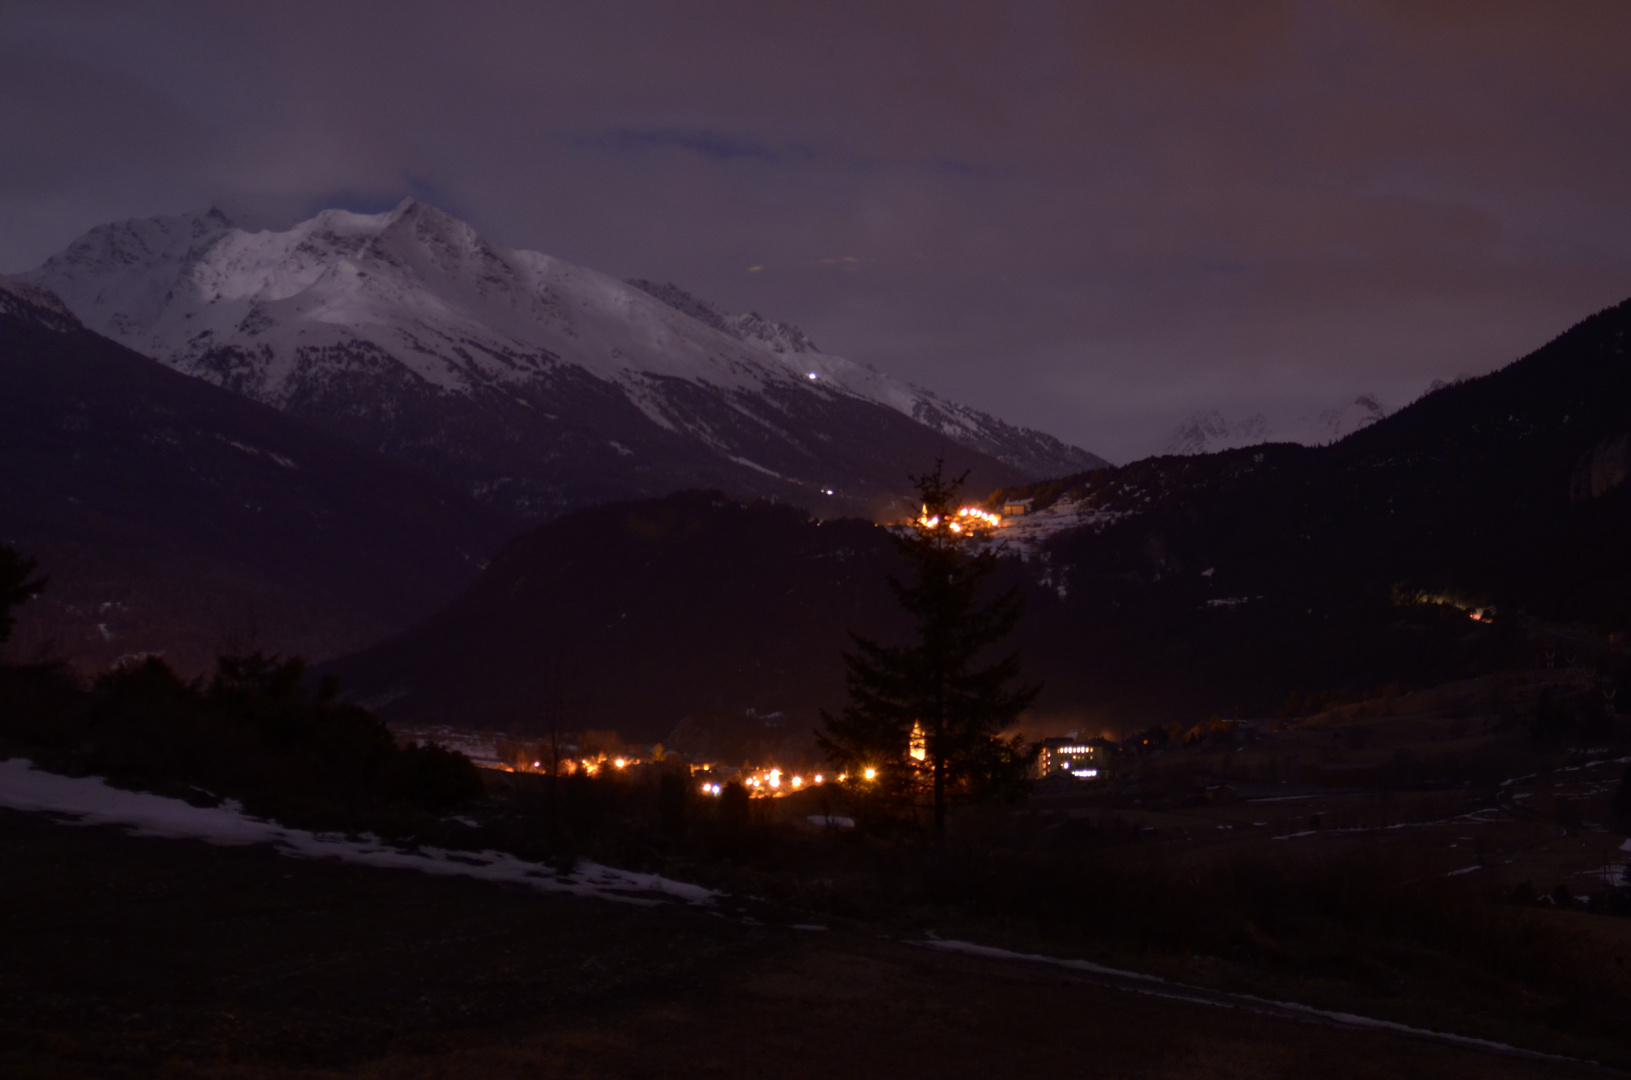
column 430, row 777
column 255, row 732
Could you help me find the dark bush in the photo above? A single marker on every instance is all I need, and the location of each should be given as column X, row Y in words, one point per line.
column 734, row 805
column 671, row 799
column 255, row 733
column 430, row 777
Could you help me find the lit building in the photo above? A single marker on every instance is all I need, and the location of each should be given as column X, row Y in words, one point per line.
column 1082, row 759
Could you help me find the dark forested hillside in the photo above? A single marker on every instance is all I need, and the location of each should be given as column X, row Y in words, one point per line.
column 176, row 517
column 1255, row 573
column 636, row 616
column 1217, row 584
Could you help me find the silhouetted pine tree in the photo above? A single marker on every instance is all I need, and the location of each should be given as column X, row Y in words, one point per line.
column 927, row 717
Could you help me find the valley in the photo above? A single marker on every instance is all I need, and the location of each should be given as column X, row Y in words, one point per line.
column 1354, row 711
column 787, row 540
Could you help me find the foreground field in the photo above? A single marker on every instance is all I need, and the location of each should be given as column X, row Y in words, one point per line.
column 1448, row 862
column 129, row 956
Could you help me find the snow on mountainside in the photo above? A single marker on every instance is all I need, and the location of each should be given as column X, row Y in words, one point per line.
column 528, row 381
column 1209, row 432
column 1034, row 452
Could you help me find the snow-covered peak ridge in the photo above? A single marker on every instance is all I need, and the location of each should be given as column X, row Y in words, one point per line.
column 1034, row 452
column 456, row 310
column 778, row 337
column 385, row 327
column 1208, row 432
column 687, row 304
column 22, row 300
column 414, row 283
column 1361, row 412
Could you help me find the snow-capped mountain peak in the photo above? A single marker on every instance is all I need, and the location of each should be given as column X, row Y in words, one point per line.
column 1208, row 432
column 531, row 381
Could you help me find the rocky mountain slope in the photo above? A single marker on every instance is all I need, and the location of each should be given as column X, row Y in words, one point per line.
column 528, row 382
column 175, row 517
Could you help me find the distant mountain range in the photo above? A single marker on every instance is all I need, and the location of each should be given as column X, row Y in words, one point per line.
column 381, row 399
column 1168, row 589
column 176, row 517
column 527, row 382
column 1208, row 432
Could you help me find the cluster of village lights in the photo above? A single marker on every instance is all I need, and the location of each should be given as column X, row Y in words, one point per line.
column 968, row 517
column 773, row 782
column 568, row 766
column 764, row 783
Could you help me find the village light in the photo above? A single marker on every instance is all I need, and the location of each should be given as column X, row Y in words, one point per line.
column 818, row 778
column 775, row 778
column 982, row 516
column 619, row 763
column 798, row 781
column 870, row 774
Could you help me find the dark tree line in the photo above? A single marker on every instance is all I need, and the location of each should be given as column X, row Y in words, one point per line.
column 256, row 730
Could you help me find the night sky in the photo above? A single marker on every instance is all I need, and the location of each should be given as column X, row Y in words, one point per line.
column 1094, row 218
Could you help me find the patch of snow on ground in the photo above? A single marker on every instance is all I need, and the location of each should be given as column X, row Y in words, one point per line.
column 91, row 801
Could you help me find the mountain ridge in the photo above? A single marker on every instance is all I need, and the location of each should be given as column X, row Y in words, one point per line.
column 531, row 383
column 1208, row 431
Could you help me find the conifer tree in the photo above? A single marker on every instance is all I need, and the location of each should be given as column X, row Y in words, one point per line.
column 923, row 722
